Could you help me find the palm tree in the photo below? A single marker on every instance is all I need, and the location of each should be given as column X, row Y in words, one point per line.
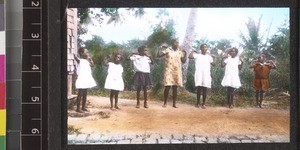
column 189, row 38
column 252, row 42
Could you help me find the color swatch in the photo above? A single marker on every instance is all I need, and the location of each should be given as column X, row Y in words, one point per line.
column 2, row 79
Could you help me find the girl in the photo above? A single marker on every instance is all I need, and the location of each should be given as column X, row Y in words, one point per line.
column 174, row 56
column 231, row 78
column 84, row 79
column 141, row 79
column 261, row 69
column 114, row 80
column 202, row 73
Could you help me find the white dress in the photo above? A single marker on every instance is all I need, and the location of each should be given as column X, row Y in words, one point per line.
column 202, row 75
column 231, row 76
column 114, row 80
column 85, row 79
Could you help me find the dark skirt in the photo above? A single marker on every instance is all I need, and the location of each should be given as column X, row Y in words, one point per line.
column 141, row 79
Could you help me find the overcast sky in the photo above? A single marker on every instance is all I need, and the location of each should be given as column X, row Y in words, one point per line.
column 212, row 23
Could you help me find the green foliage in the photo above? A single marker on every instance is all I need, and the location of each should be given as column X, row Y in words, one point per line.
column 128, row 72
column 190, row 81
column 278, row 46
column 252, row 41
column 157, row 76
column 100, row 73
column 160, row 35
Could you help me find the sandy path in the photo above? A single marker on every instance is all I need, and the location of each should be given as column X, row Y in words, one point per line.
column 187, row 119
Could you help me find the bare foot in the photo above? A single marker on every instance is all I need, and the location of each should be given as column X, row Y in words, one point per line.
column 146, row 106
column 79, row 111
column 203, row 107
column 84, row 109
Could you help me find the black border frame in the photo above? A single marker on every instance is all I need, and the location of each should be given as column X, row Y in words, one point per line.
column 57, row 103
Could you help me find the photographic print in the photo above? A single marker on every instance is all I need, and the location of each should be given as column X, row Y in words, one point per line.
column 178, row 75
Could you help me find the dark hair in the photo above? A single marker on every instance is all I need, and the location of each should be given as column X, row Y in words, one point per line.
column 141, row 48
column 236, row 50
column 117, row 53
column 81, row 50
column 261, row 54
column 173, row 40
column 202, row 45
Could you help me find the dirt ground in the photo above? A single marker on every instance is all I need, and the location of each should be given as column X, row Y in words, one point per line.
column 187, row 119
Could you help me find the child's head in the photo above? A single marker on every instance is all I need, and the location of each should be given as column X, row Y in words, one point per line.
column 233, row 52
column 261, row 58
column 142, row 50
column 117, row 58
column 83, row 52
column 203, row 48
column 175, row 43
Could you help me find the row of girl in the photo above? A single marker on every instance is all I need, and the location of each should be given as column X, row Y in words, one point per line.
column 174, row 57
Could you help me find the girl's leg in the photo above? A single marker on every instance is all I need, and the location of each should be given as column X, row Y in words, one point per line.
column 261, row 97
column 145, row 96
column 79, row 96
column 198, row 96
column 111, row 97
column 174, row 89
column 257, row 97
column 84, row 95
column 116, row 99
column 138, row 91
column 231, row 96
column 204, row 91
column 166, row 94
column 228, row 97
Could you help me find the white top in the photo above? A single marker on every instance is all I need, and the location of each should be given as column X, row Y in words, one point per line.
column 141, row 63
column 231, row 76
column 114, row 80
column 85, row 79
column 202, row 73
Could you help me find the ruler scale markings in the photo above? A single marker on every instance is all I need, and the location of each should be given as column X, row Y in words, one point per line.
column 31, row 39
column 30, row 8
column 30, row 103
column 32, row 75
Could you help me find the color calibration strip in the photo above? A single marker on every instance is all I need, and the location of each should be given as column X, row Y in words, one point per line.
column 2, row 79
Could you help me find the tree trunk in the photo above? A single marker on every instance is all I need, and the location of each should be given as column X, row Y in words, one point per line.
column 188, row 40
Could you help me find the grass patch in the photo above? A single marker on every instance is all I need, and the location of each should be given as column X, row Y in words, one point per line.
column 73, row 130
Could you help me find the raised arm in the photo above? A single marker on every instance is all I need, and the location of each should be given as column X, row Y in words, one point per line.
column 150, row 57
column 91, row 62
column 76, row 58
column 253, row 63
column 106, row 61
column 133, row 53
column 271, row 64
column 183, row 59
column 191, row 55
column 214, row 60
column 159, row 52
column 242, row 62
